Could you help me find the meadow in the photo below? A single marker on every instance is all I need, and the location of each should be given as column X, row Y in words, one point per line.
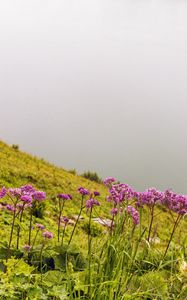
column 66, row 237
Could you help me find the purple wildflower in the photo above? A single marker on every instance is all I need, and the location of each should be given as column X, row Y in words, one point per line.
column 120, row 192
column 39, row 195
column 65, row 220
column 91, row 203
column 10, row 207
column 114, row 211
column 96, row 193
column 65, row 196
column 26, row 198
column 109, row 180
column 149, row 197
column 47, row 235
column 27, row 248
column 83, row 191
column 175, row 202
column 134, row 213
column 28, row 189
column 2, row 192
column 15, row 192
column 40, row 226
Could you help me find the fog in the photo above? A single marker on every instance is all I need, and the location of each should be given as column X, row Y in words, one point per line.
column 98, row 85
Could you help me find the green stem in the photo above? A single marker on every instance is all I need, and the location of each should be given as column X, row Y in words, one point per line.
column 59, row 218
column 35, row 238
column 11, row 233
column 30, row 227
column 151, row 222
column 173, row 231
column 63, row 235
column 19, row 228
column 76, row 221
column 89, row 253
column 41, row 251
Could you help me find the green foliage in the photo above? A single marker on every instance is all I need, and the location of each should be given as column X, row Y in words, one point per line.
column 96, row 229
column 93, row 176
column 15, row 147
column 38, row 209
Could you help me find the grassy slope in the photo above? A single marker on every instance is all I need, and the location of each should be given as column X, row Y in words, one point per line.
column 18, row 168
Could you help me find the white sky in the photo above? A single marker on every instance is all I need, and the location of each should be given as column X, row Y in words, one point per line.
column 98, row 85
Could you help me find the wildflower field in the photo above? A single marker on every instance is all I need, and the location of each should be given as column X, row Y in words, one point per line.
column 65, row 237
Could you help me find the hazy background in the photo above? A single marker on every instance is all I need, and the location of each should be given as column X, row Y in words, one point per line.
column 98, row 85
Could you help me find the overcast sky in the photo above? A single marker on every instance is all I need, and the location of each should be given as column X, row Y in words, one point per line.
column 98, row 85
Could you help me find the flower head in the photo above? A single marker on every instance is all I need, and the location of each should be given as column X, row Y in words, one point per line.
column 83, row 191
column 114, row 211
column 27, row 248
column 91, row 203
column 15, row 192
column 65, row 220
column 28, row 189
column 109, row 181
column 10, row 207
column 40, row 226
column 26, row 198
column 134, row 213
column 120, row 192
column 65, row 196
column 47, row 235
column 175, row 202
column 2, row 192
column 149, row 197
column 39, row 195
column 96, row 193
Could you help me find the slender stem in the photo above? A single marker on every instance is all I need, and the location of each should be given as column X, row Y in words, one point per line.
column 30, row 227
column 35, row 238
column 63, row 234
column 112, row 222
column 76, row 221
column 173, row 231
column 151, row 222
column 89, row 253
column 59, row 218
column 41, row 251
column 19, row 228
column 11, row 233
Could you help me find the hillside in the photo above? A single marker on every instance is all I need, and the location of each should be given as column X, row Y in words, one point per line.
column 18, row 168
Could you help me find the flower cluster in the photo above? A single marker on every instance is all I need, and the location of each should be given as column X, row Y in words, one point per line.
column 150, row 197
column 91, row 203
column 120, row 192
column 64, row 196
column 83, row 191
column 175, row 202
column 134, row 214
column 109, row 181
column 47, row 235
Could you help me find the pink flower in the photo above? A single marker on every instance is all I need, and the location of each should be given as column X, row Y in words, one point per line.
column 39, row 195
column 10, row 207
column 27, row 248
column 91, row 203
column 2, row 192
column 83, row 191
column 114, row 211
column 26, row 198
column 65, row 196
column 40, row 226
column 47, row 235
column 109, row 180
